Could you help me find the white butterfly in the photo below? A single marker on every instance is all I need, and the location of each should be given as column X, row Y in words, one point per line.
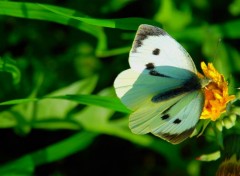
column 161, row 87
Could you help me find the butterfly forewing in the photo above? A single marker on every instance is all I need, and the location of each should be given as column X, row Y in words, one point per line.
column 153, row 46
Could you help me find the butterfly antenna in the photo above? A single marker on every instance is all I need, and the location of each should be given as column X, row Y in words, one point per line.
column 215, row 55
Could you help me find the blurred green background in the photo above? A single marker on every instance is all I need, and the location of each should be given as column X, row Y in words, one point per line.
column 58, row 63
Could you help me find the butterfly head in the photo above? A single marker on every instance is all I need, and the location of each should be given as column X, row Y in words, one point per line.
column 205, row 81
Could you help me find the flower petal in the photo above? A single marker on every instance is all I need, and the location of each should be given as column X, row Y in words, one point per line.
column 216, row 93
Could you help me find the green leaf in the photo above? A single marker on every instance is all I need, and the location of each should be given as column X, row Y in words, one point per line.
column 210, row 157
column 19, row 101
column 228, row 29
column 32, row 111
column 64, row 16
column 10, row 66
column 96, row 117
column 35, row 11
column 234, row 7
column 171, row 17
column 107, row 102
column 123, row 23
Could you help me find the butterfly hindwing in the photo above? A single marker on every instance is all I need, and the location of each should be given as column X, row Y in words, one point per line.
column 153, row 46
column 178, row 122
column 140, row 120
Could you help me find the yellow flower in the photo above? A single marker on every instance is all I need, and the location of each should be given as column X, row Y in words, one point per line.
column 216, row 93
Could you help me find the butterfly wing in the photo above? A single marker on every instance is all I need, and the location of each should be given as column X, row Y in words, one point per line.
column 153, row 47
column 140, row 120
column 134, row 88
column 161, row 88
column 139, row 91
column 179, row 120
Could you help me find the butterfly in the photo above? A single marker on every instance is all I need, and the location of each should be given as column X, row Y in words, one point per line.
column 161, row 88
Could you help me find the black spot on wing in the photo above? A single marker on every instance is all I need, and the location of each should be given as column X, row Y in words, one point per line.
column 177, row 121
column 143, row 32
column 165, row 116
column 155, row 73
column 150, row 66
column 156, row 51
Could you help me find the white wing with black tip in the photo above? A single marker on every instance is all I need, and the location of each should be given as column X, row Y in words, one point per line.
column 153, row 46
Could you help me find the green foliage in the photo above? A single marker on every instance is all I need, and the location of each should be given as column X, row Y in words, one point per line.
column 9, row 65
column 57, row 69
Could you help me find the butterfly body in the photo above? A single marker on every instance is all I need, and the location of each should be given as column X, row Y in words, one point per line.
column 161, row 88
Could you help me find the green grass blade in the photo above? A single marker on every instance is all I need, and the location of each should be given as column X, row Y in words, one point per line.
column 9, row 65
column 35, row 11
column 123, row 23
column 107, row 102
column 19, row 101
column 67, row 16
column 27, row 112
